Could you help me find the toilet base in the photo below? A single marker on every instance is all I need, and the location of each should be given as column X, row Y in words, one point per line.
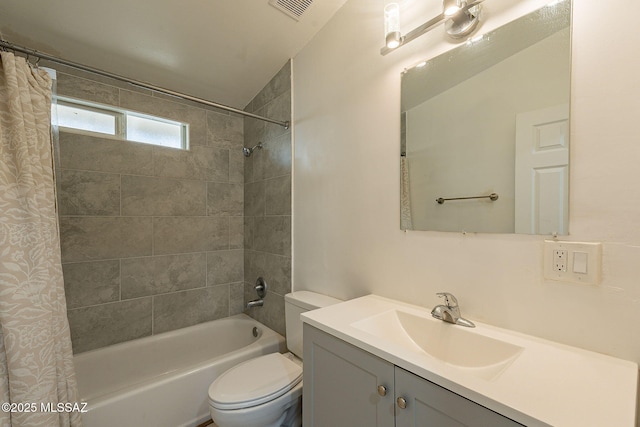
column 285, row 411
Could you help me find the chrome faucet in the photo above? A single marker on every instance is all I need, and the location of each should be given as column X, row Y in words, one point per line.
column 450, row 311
column 261, row 290
column 255, row 303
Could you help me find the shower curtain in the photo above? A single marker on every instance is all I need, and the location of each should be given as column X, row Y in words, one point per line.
column 406, row 223
column 36, row 364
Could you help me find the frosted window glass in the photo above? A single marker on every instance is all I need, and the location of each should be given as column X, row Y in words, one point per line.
column 84, row 119
column 142, row 129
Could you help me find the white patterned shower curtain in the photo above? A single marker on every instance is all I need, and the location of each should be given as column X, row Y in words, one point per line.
column 406, row 223
column 36, row 364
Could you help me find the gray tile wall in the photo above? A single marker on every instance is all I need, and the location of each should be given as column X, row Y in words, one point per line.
column 153, row 238
column 267, row 200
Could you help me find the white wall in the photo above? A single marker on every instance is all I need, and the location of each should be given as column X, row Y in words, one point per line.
column 347, row 240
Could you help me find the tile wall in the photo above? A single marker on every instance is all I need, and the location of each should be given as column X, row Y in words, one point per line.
column 267, row 200
column 152, row 238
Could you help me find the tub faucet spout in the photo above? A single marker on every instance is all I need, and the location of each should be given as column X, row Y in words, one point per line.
column 255, row 303
column 261, row 290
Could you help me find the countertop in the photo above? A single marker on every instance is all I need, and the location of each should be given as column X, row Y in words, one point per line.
column 547, row 384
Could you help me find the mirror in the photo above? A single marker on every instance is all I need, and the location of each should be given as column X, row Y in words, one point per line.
column 485, row 131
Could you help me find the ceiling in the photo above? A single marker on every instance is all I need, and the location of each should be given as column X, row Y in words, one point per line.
column 220, row 50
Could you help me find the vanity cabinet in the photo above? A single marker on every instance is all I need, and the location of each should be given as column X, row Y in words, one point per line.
column 340, row 384
column 428, row 404
column 345, row 386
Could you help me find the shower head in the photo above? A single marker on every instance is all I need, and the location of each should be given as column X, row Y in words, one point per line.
column 247, row 151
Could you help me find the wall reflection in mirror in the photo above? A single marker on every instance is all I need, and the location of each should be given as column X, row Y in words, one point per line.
column 491, row 117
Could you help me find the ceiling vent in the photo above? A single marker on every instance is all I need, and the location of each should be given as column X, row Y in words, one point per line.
column 292, row 8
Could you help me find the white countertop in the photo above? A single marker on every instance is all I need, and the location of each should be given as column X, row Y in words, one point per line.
column 547, row 384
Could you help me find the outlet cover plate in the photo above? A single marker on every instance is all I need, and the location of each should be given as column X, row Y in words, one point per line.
column 594, row 262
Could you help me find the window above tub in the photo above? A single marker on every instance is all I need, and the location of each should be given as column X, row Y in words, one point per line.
column 89, row 118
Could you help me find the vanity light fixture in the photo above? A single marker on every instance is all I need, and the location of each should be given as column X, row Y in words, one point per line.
column 392, row 36
column 461, row 18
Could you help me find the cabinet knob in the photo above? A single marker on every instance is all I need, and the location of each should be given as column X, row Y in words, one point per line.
column 382, row 390
column 402, row 403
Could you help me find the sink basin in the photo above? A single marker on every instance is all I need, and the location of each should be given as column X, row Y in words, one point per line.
column 460, row 347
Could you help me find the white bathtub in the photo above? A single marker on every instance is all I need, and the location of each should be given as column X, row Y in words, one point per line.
column 162, row 380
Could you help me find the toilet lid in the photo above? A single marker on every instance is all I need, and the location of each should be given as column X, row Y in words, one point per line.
column 254, row 382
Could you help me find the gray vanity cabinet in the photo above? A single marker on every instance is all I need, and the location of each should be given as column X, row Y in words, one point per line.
column 341, row 383
column 428, row 404
column 345, row 386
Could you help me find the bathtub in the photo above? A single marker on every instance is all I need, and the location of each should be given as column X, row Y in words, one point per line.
column 162, row 380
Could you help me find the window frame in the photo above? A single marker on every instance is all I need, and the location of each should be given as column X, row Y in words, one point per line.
column 120, row 116
column 82, row 105
column 184, row 128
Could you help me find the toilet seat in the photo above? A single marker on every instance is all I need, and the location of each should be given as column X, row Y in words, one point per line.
column 255, row 382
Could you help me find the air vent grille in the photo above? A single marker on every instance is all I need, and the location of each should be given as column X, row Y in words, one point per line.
column 293, row 8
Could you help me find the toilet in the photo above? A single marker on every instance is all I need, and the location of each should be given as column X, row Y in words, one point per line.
column 267, row 391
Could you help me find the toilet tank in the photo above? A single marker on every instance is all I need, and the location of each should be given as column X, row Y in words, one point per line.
column 295, row 304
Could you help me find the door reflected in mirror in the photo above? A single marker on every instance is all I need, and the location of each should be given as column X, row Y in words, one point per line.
column 485, row 131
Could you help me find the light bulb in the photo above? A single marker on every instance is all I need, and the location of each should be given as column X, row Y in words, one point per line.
column 451, row 7
column 392, row 25
column 392, row 44
column 452, row 11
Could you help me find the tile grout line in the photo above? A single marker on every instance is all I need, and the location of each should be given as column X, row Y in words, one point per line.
column 152, row 296
column 152, row 256
column 155, row 175
column 120, row 277
column 206, row 270
column 223, row 215
column 120, row 193
column 111, row 303
column 153, row 303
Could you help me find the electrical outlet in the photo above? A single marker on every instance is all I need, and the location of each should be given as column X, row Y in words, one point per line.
column 560, row 260
column 576, row 262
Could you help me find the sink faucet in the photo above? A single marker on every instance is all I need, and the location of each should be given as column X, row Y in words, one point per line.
column 450, row 311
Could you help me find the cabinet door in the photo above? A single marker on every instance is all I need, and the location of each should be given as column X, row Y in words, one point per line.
column 341, row 384
column 429, row 405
